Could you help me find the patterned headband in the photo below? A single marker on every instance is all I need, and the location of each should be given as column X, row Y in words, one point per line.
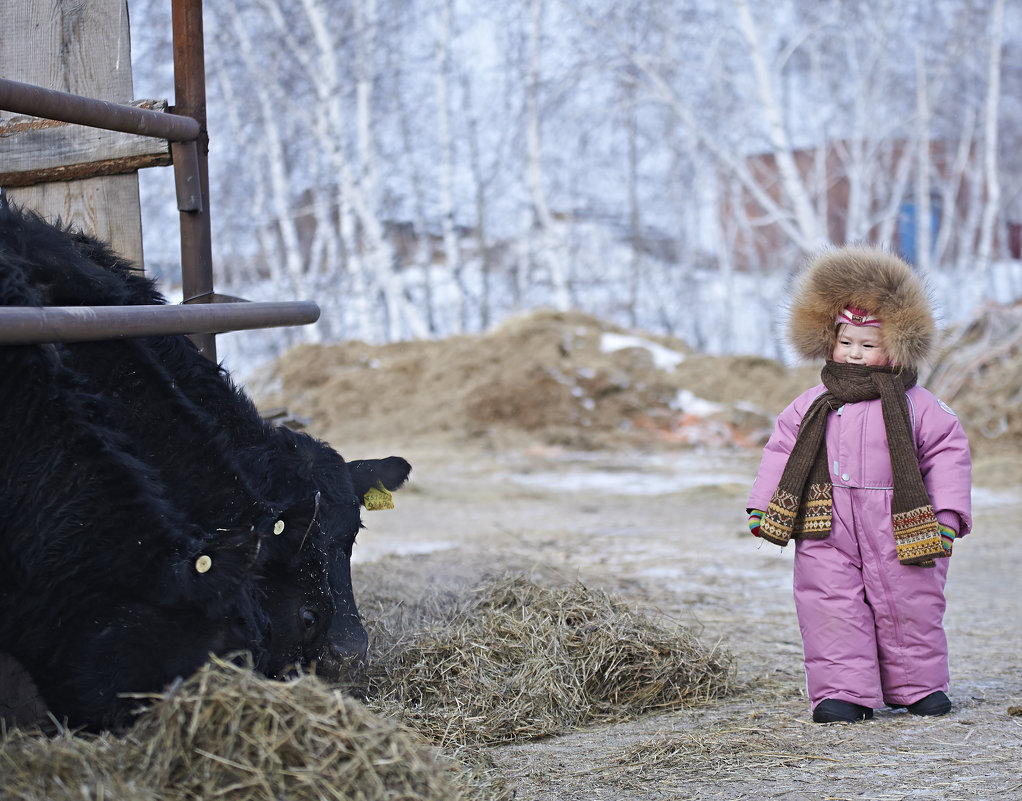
column 860, row 318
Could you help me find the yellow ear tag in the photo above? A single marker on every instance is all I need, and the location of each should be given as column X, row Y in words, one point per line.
column 278, row 527
column 203, row 564
column 378, row 497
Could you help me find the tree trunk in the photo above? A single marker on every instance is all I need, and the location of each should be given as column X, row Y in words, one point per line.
column 547, row 251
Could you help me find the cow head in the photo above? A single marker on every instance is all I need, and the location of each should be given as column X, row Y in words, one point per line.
column 295, row 590
column 348, row 641
column 293, row 463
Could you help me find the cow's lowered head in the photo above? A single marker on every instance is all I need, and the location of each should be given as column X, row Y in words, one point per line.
column 292, row 462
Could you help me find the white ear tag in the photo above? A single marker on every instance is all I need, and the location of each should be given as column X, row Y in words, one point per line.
column 278, row 527
column 203, row 564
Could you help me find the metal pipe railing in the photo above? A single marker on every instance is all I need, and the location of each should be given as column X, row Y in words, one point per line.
column 25, row 98
column 185, row 129
column 194, row 220
column 27, row 325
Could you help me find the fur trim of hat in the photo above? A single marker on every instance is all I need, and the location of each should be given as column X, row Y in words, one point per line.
column 871, row 279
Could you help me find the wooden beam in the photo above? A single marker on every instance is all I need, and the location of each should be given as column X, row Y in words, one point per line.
column 36, row 151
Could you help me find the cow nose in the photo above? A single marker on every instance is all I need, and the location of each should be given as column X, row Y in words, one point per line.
column 349, row 640
column 343, row 655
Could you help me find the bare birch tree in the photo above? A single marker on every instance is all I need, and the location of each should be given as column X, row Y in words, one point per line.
column 740, row 135
column 547, row 251
column 280, row 241
column 452, row 251
column 992, row 185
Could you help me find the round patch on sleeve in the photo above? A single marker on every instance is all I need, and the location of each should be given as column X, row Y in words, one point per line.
column 946, row 408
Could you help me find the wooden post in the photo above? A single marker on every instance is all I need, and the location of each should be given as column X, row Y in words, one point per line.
column 84, row 48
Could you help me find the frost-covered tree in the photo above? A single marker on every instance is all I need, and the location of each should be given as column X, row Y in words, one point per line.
column 422, row 167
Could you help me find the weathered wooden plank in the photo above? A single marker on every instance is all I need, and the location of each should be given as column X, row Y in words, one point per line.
column 84, row 48
column 34, row 150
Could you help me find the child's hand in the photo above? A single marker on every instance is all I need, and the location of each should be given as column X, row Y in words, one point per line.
column 755, row 518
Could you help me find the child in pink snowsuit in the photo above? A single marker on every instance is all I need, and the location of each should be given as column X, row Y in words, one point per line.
column 870, row 474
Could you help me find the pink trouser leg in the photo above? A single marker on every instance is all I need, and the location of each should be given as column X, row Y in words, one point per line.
column 872, row 628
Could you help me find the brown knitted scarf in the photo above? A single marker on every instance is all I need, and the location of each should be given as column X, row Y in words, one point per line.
column 801, row 505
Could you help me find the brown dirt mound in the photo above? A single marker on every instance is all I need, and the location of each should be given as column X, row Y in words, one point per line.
column 567, row 378
column 560, row 377
column 979, row 372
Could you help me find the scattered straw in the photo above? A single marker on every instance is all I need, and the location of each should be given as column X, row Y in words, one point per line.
column 69, row 767
column 715, row 752
column 521, row 661
column 513, row 661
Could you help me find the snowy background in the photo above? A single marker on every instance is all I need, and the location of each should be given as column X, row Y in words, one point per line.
column 422, row 168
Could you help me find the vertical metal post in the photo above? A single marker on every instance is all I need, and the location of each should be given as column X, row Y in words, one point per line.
column 190, row 100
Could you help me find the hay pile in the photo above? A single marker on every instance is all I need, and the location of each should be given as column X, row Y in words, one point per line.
column 979, row 373
column 229, row 733
column 520, row 661
column 512, row 660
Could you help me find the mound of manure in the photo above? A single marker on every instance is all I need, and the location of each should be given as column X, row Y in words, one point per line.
column 518, row 660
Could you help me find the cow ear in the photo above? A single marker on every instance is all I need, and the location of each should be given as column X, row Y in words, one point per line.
column 298, row 522
column 375, row 478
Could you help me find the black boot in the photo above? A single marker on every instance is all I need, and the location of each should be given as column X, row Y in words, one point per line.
column 831, row 711
column 933, row 704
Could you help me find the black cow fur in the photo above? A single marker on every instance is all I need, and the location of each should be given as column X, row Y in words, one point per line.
column 86, row 528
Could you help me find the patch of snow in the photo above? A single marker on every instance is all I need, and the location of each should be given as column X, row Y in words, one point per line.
column 663, row 358
column 378, row 547
column 690, row 403
column 624, row 482
column 987, row 498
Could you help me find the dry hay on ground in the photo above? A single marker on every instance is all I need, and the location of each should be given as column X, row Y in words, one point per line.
column 518, row 660
column 511, row 661
column 228, row 733
column 714, row 752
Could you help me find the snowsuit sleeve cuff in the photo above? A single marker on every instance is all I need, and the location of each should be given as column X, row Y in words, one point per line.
column 950, row 520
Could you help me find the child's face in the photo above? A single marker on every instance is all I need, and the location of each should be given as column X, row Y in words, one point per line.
column 860, row 345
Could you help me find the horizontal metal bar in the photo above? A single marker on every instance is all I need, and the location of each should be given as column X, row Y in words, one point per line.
column 24, row 325
column 26, row 98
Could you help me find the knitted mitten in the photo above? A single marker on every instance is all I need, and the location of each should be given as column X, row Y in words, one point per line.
column 755, row 518
column 947, row 537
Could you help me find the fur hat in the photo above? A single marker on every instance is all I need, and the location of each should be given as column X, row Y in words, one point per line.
column 868, row 279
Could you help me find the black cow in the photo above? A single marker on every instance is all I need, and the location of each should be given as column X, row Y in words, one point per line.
column 285, row 466
column 171, row 434
column 92, row 546
column 211, row 470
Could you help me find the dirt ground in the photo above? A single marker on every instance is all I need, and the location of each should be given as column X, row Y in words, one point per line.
column 547, row 448
column 665, row 529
